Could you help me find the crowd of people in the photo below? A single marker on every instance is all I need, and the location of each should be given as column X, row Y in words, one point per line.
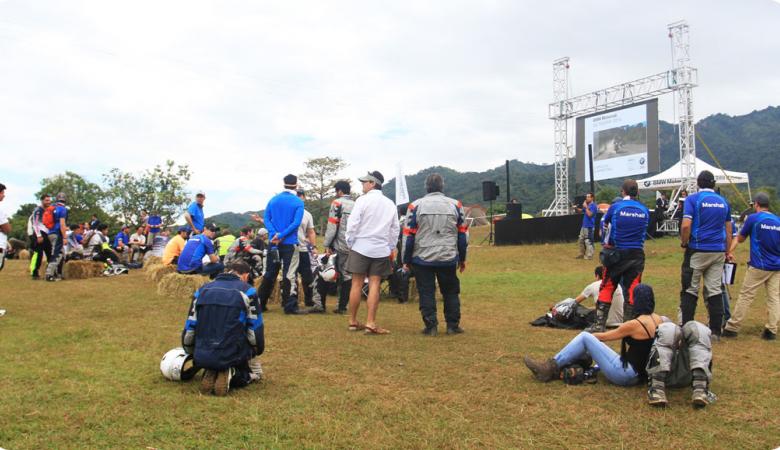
column 368, row 240
column 653, row 347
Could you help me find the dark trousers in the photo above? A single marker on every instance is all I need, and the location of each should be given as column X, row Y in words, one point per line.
column 449, row 286
column 304, row 270
column 625, row 275
column 715, row 304
column 37, row 252
column 288, row 264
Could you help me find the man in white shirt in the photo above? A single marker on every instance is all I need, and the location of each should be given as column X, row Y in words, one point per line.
column 5, row 228
column 372, row 234
column 307, row 240
column 615, row 316
column 137, row 244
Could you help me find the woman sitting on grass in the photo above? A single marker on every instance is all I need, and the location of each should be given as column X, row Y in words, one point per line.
column 639, row 345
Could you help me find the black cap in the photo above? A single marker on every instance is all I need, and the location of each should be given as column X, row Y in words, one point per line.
column 761, row 199
column 300, row 191
column 212, row 227
column 290, row 180
column 375, row 176
column 706, row 179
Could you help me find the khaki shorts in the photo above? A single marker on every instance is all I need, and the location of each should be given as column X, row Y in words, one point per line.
column 360, row 264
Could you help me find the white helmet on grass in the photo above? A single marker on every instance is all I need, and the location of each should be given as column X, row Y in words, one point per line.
column 177, row 365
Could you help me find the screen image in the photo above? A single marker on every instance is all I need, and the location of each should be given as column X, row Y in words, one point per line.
column 624, row 142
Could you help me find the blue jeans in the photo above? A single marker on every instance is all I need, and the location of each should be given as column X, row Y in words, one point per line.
column 211, row 269
column 609, row 361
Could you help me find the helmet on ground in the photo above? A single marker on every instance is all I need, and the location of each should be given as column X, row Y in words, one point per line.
column 328, row 268
column 176, row 365
column 564, row 310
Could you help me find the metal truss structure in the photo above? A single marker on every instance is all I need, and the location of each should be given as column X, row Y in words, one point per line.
column 681, row 80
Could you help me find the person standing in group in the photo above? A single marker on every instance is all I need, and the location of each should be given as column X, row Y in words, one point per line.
column 40, row 245
column 335, row 243
column 194, row 214
column 435, row 246
column 307, row 240
column 623, row 255
column 283, row 216
column 585, row 240
column 5, row 229
column 372, row 234
column 763, row 229
column 153, row 228
column 56, row 220
column 706, row 237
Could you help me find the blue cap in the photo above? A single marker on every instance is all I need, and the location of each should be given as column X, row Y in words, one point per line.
column 184, row 228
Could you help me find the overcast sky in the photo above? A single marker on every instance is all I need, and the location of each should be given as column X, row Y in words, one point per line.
column 244, row 92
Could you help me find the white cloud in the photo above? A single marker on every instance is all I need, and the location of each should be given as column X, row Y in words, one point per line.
column 245, row 92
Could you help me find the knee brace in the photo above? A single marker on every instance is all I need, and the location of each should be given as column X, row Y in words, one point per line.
column 697, row 338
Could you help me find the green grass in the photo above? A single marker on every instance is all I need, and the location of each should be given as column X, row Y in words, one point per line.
column 79, row 368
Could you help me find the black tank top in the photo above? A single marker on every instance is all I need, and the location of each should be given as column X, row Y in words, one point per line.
column 636, row 352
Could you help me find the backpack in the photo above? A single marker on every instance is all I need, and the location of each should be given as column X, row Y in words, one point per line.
column 48, row 217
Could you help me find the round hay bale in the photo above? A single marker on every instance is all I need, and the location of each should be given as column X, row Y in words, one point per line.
column 79, row 270
column 176, row 285
column 155, row 272
column 151, row 261
column 24, row 254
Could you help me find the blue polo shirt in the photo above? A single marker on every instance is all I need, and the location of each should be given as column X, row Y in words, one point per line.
column 196, row 212
column 283, row 215
column 194, row 250
column 60, row 212
column 155, row 223
column 709, row 213
column 589, row 222
column 626, row 223
column 763, row 228
column 121, row 237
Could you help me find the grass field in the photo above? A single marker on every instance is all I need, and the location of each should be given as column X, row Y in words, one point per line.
column 79, row 368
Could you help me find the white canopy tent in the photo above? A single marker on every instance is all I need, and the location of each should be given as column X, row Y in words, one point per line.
column 671, row 178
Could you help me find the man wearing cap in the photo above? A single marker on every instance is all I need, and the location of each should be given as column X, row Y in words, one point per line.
column 372, row 234
column 585, row 241
column 198, row 247
column 706, row 237
column 57, row 237
column 283, row 216
column 307, row 240
column 174, row 247
column 335, row 242
column 194, row 214
column 763, row 228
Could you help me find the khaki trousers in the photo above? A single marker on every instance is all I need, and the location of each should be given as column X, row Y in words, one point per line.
column 754, row 279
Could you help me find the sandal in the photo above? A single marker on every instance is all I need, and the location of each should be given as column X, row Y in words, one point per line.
column 356, row 327
column 376, row 330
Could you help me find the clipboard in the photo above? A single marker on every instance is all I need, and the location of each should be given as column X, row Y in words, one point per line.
column 729, row 273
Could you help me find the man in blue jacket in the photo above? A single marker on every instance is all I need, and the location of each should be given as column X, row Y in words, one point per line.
column 706, row 237
column 623, row 256
column 197, row 247
column 224, row 332
column 283, row 216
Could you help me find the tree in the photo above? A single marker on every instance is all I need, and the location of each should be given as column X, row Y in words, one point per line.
column 318, row 180
column 84, row 197
column 19, row 221
column 160, row 190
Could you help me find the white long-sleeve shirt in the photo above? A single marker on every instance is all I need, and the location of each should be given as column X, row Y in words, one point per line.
column 373, row 227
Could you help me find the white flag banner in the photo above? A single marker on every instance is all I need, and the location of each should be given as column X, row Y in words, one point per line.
column 401, row 192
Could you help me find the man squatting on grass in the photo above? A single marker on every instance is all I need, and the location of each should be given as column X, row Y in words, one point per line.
column 435, row 245
column 706, row 237
column 623, row 255
column 372, row 235
column 224, row 331
column 648, row 347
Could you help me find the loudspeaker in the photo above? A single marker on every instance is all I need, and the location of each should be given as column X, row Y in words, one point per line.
column 490, row 191
column 514, row 211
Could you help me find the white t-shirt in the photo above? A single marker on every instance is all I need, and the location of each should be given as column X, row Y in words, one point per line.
column 615, row 316
column 3, row 237
column 307, row 223
column 138, row 239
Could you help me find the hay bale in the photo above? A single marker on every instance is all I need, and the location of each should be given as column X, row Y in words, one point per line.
column 155, row 272
column 150, row 261
column 24, row 254
column 276, row 293
column 176, row 285
column 79, row 270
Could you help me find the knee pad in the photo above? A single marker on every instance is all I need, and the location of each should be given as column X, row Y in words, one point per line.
column 695, row 333
column 668, row 335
